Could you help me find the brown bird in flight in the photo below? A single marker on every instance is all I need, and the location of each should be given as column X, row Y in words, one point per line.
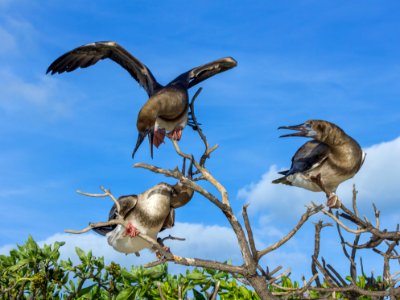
column 324, row 162
column 167, row 106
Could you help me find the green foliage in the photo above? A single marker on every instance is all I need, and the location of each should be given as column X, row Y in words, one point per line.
column 37, row 272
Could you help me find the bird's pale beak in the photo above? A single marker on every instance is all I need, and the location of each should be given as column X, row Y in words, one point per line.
column 140, row 139
column 304, row 129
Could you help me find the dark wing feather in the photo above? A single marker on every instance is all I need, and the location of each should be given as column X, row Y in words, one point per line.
column 308, row 156
column 198, row 74
column 87, row 55
column 127, row 204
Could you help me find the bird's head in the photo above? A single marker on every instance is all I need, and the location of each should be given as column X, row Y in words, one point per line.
column 307, row 129
column 145, row 127
column 320, row 130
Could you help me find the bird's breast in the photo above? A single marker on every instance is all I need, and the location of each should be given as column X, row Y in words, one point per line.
column 172, row 103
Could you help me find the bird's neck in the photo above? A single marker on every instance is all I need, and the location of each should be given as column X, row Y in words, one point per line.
column 347, row 155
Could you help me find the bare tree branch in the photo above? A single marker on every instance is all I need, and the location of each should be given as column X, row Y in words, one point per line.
column 249, row 232
column 310, row 211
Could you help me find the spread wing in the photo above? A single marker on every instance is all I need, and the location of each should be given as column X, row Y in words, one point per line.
column 308, row 157
column 87, row 55
column 127, row 204
column 198, row 74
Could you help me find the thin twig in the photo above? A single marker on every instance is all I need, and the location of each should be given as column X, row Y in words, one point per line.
column 310, row 211
column 249, row 232
column 215, row 291
column 107, row 193
column 317, row 239
column 96, row 225
column 160, row 291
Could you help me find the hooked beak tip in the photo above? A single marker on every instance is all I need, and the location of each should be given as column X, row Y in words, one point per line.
column 139, row 141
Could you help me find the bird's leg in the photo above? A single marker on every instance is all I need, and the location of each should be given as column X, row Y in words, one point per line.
column 159, row 135
column 318, row 181
column 176, row 134
column 332, row 199
column 131, row 230
column 167, row 249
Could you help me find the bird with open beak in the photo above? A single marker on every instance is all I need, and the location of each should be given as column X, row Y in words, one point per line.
column 321, row 164
column 149, row 213
column 166, row 110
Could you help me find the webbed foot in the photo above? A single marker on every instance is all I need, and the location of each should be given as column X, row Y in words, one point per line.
column 333, row 201
column 131, row 231
column 158, row 138
column 176, row 134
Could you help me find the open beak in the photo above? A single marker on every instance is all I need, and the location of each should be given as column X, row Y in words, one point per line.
column 304, row 129
column 140, row 139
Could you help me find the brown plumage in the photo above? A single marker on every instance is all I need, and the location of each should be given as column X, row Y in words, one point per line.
column 149, row 213
column 167, row 106
column 324, row 162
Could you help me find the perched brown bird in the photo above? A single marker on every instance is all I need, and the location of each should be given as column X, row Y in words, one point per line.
column 167, row 106
column 149, row 213
column 324, row 162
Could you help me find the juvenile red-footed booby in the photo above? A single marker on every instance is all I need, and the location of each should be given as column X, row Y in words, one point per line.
column 167, row 106
column 324, row 162
column 149, row 213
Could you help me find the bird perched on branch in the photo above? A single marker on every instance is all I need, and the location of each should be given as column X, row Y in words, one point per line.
column 167, row 106
column 149, row 213
column 324, row 162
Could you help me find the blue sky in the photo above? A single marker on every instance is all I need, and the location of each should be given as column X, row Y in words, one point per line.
column 301, row 60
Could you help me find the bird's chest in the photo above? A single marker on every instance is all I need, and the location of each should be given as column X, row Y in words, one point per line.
column 171, row 125
column 151, row 212
column 331, row 177
column 173, row 107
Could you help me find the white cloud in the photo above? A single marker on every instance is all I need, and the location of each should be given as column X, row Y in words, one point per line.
column 19, row 95
column 278, row 200
column 202, row 241
column 378, row 179
column 377, row 182
column 8, row 42
column 19, row 35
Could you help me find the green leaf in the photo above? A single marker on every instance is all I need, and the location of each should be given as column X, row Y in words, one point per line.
column 80, row 253
column 20, row 264
column 195, row 276
column 198, row 296
column 85, row 290
column 129, row 276
column 126, row 294
column 361, row 282
column 220, row 275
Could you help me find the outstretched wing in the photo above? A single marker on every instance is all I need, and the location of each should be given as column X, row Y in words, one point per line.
column 87, row 55
column 127, row 204
column 198, row 74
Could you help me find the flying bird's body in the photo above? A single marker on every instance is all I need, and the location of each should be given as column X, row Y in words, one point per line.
column 324, row 162
column 147, row 213
column 166, row 110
